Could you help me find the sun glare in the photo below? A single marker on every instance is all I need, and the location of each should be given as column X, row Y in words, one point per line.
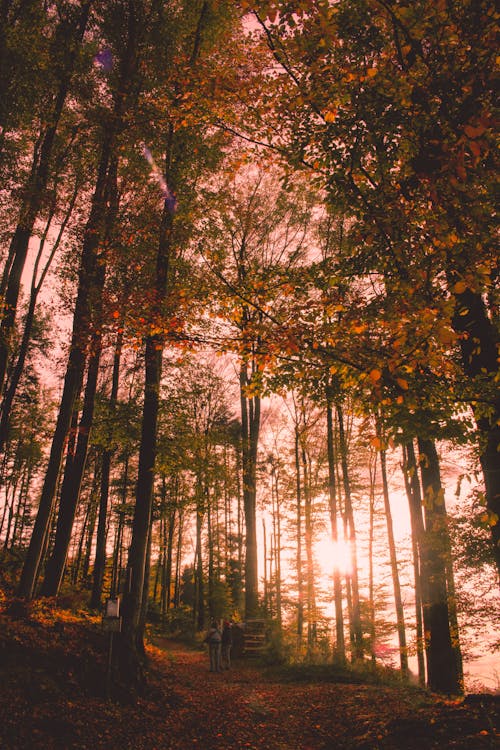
column 333, row 556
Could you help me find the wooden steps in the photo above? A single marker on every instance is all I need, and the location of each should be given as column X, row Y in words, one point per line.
column 255, row 637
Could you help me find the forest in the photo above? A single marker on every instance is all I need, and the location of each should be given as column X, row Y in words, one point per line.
column 249, row 333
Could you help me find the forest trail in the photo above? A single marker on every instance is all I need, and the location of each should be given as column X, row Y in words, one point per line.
column 47, row 702
column 245, row 708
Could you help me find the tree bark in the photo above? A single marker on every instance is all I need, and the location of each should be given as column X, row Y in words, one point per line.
column 298, row 552
column 100, row 552
column 356, row 611
column 414, row 496
column 443, row 674
column 130, row 652
column 479, row 344
column 398, row 601
column 340, row 654
column 250, row 425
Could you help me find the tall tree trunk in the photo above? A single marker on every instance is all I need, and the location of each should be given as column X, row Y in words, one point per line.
column 356, row 611
column 298, row 553
column 372, row 468
column 100, row 552
column 72, row 481
column 210, row 553
column 398, row 601
column 267, row 609
column 479, row 344
column 117, row 551
column 200, row 586
column 74, row 372
column 340, row 654
column 308, row 536
column 92, row 518
column 132, row 633
column 178, row 559
column 167, row 580
column 443, row 674
column 277, row 545
column 413, row 494
column 250, row 425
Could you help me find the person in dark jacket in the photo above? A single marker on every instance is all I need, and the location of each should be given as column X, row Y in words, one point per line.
column 213, row 638
column 226, row 642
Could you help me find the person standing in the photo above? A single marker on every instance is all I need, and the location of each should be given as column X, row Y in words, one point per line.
column 213, row 638
column 226, row 643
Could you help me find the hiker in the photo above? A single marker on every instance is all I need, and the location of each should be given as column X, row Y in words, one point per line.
column 227, row 642
column 213, row 638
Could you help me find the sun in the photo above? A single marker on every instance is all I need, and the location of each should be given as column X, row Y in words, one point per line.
column 333, row 556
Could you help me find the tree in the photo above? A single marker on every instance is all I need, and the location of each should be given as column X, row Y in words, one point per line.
column 392, row 115
column 258, row 234
column 67, row 39
column 178, row 176
column 90, row 284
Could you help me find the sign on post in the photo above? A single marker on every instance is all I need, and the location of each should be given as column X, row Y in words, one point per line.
column 111, row 620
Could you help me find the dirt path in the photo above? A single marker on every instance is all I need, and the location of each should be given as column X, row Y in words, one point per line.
column 186, row 707
column 242, row 709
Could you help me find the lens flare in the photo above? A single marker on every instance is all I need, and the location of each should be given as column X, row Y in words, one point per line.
column 168, row 195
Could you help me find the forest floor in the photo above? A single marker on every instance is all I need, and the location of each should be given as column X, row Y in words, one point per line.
column 52, row 696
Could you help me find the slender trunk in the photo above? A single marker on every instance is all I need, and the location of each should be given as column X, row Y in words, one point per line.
column 277, row 548
column 442, row 669
column 413, row 494
column 78, row 546
column 145, row 597
column 298, row 554
column 25, row 510
column 200, row 588
column 479, row 342
column 71, row 486
column 10, row 513
column 129, row 655
column 210, row 554
column 340, row 654
column 17, row 514
column 372, row 468
column 250, row 424
column 264, row 549
column 356, row 612
column 117, row 552
column 100, row 552
column 308, row 534
column 167, row 583
column 93, row 505
column 178, row 558
column 132, row 603
column 398, row 601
